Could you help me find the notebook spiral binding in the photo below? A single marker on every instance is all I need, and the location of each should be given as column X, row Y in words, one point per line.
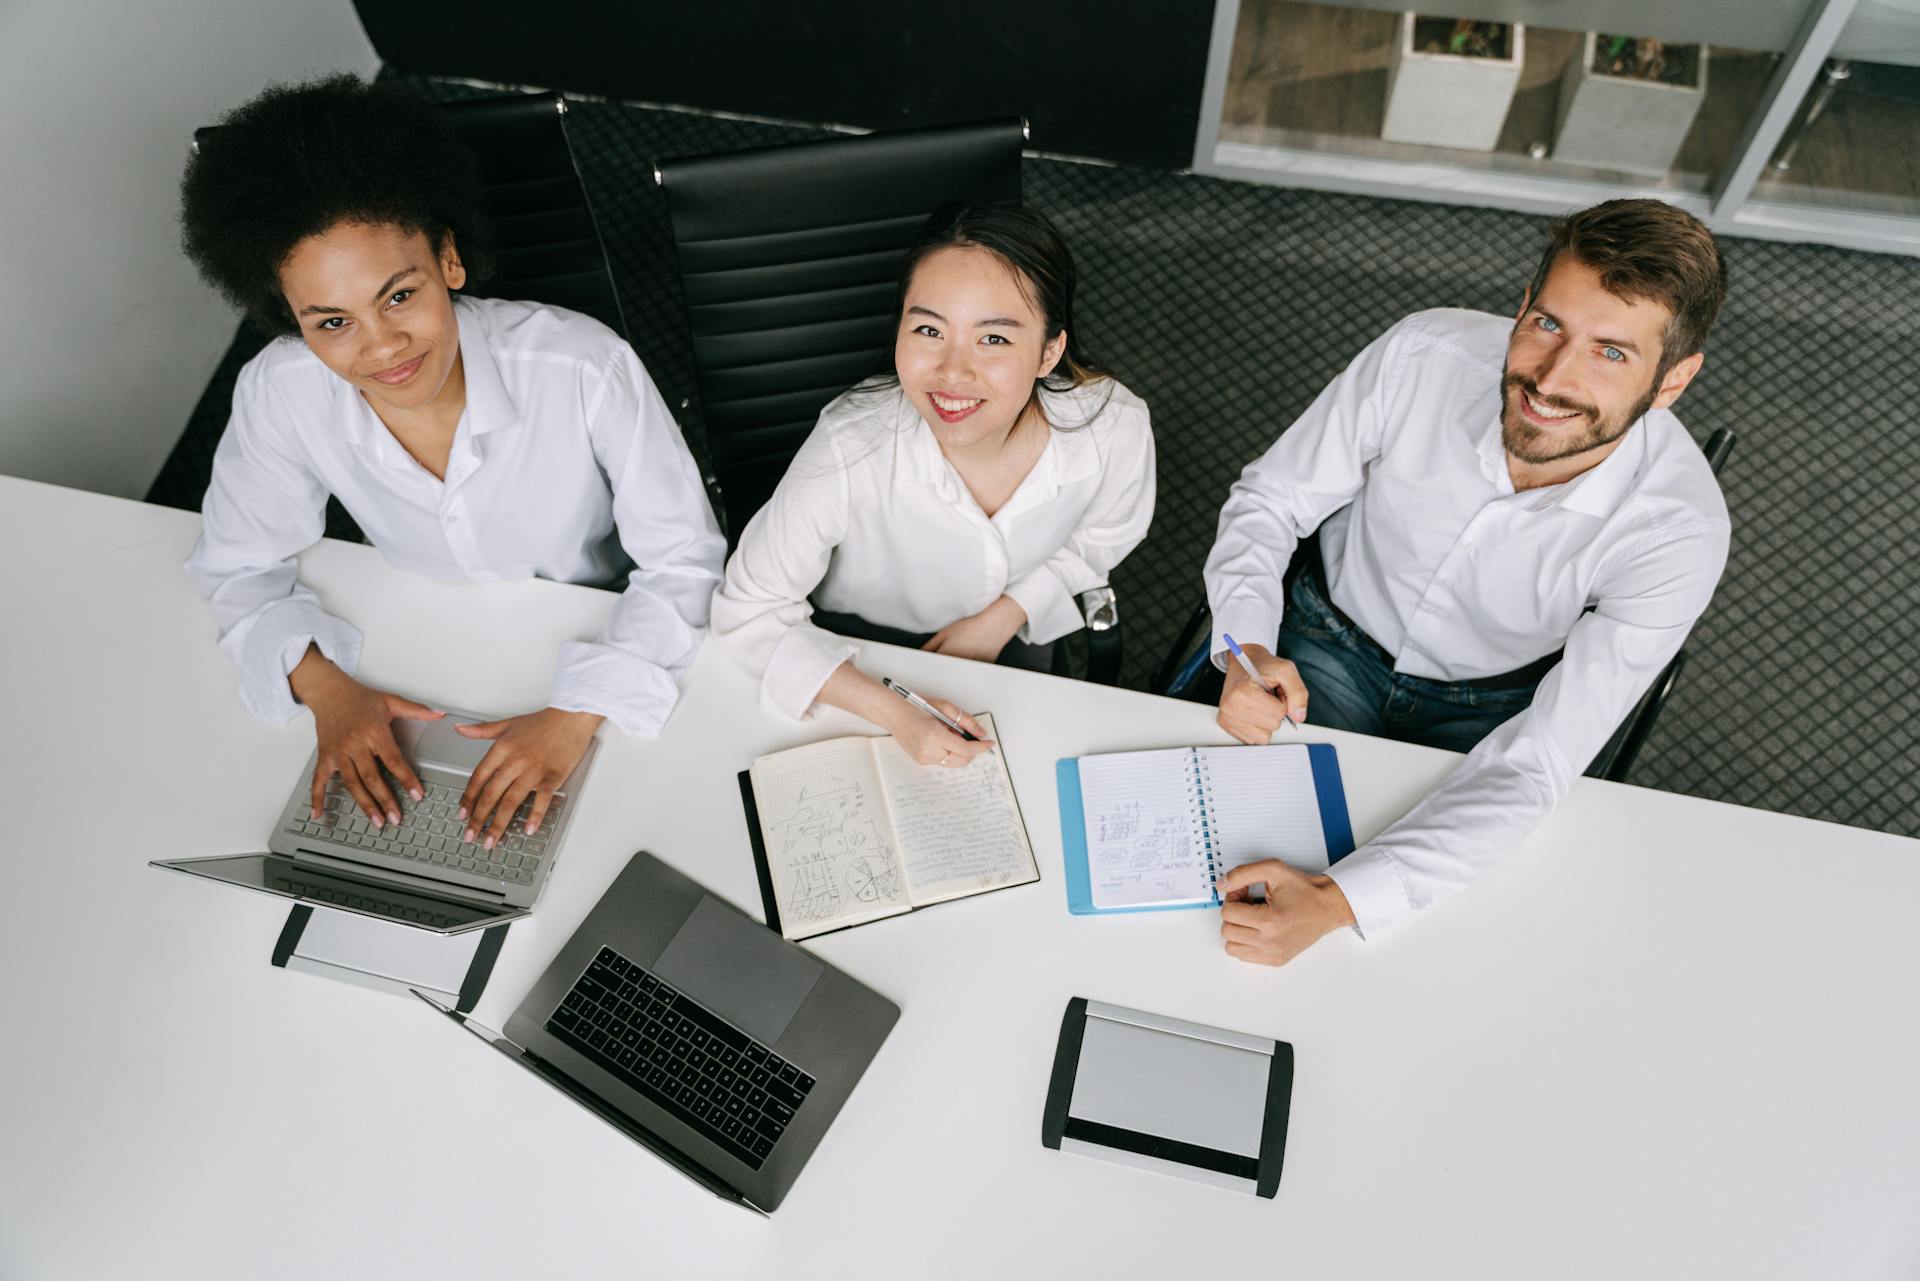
column 1206, row 824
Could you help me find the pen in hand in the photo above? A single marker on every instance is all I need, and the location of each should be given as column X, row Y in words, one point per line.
column 921, row 703
column 1253, row 674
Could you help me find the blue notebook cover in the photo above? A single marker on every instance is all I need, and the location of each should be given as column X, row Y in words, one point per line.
column 1334, row 826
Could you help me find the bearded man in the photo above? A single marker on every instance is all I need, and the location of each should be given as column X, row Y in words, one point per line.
column 1515, row 536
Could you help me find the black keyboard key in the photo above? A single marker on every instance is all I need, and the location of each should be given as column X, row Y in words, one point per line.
column 788, row 1074
column 804, row 1084
column 756, row 1053
column 784, row 1093
column 779, row 1111
column 770, row 1127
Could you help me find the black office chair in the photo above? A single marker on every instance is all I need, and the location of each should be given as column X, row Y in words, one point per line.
column 547, row 245
column 1188, row 671
column 788, row 257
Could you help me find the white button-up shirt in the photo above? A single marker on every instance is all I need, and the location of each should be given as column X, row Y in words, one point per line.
column 871, row 519
column 1431, row 551
column 566, row 465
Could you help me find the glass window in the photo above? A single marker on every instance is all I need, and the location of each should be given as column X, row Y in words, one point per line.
column 1623, row 104
column 1855, row 143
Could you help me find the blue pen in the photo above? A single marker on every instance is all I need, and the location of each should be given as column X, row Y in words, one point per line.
column 1253, row 674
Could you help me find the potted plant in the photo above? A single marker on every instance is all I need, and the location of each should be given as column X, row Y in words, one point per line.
column 1627, row 102
column 1452, row 80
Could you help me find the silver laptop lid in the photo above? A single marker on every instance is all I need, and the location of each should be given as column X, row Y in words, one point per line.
column 304, row 883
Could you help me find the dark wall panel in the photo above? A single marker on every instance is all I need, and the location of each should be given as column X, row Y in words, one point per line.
column 1114, row 79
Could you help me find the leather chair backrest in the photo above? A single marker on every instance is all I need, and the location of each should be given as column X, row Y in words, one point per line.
column 547, row 247
column 788, row 257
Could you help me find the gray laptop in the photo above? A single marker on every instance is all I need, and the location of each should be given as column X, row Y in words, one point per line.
column 422, row 872
column 697, row 1032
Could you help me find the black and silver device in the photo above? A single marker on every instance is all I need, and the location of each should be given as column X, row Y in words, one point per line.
column 697, row 1032
column 421, row 871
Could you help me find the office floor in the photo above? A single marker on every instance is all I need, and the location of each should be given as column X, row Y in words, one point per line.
column 1227, row 306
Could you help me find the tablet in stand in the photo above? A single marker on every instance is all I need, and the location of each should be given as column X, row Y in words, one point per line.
column 387, row 957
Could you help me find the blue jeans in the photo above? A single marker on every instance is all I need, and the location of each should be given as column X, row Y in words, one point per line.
column 1351, row 683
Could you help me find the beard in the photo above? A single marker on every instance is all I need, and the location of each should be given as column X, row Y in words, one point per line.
column 1587, row 429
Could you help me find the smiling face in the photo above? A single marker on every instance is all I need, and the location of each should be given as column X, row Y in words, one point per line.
column 1582, row 366
column 375, row 304
column 970, row 346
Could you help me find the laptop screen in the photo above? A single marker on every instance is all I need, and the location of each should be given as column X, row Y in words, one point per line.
column 276, row 875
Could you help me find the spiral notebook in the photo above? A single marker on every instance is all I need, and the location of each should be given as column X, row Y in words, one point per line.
column 1146, row 831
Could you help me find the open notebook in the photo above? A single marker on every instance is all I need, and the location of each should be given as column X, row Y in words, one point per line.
column 852, row 830
column 1150, row 830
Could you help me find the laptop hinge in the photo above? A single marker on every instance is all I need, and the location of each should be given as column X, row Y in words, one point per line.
column 633, row 1130
column 427, row 885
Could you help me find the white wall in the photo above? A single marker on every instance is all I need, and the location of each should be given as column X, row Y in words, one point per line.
column 107, row 336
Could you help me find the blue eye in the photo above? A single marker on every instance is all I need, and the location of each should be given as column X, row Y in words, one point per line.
column 1613, row 353
column 1549, row 324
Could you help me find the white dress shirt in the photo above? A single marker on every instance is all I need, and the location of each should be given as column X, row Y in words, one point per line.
column 566, row 465
column 1429, row 549
column 871, row 519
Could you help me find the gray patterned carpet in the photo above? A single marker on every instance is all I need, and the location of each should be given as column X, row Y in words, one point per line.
column 1227, row 306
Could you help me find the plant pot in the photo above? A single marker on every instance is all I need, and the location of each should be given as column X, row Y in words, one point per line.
column 1621, row 122
column 1447, row 99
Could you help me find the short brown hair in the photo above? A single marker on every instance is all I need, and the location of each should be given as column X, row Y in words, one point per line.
column 1648, row 249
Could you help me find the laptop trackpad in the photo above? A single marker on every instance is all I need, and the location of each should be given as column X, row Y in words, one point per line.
column 745, row 973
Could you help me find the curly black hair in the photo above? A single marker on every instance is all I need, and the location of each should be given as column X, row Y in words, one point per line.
column 301, row 158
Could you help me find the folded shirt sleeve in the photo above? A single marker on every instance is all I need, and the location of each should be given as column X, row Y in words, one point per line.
column 1512, row 780
column 761, row 614
column 1115, row 521
column 1314, row 469
column 264, row 506
column 631, row 673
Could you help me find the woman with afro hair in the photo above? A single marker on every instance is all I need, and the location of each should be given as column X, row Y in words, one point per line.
column 473, row 440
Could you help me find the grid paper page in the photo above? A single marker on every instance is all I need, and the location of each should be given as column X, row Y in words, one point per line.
column 1143, row 844
column 829, row 839
column 959, row 829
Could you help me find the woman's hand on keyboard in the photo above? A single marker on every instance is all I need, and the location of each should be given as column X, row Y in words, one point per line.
column 531, row 756
column 354, row 724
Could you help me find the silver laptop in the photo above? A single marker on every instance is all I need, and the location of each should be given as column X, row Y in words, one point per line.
column 421, row 872
column 697, row 1032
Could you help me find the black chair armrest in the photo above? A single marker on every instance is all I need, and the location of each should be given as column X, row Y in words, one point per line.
column 1101, row 609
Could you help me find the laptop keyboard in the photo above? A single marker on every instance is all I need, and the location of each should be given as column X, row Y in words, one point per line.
column 696, row 1065
column 429, row 833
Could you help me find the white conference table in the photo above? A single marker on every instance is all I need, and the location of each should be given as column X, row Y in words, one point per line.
column 1667, row 1038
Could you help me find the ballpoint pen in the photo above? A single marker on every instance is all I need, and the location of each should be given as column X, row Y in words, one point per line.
column 1253, row 674
column 929, row 709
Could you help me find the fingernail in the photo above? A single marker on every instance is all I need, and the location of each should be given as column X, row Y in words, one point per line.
column 532, row 828
column 393, row 816
column 489, row 842
column 416, row 793
column 468, row 838
column 462, row 815
column 377, row 824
